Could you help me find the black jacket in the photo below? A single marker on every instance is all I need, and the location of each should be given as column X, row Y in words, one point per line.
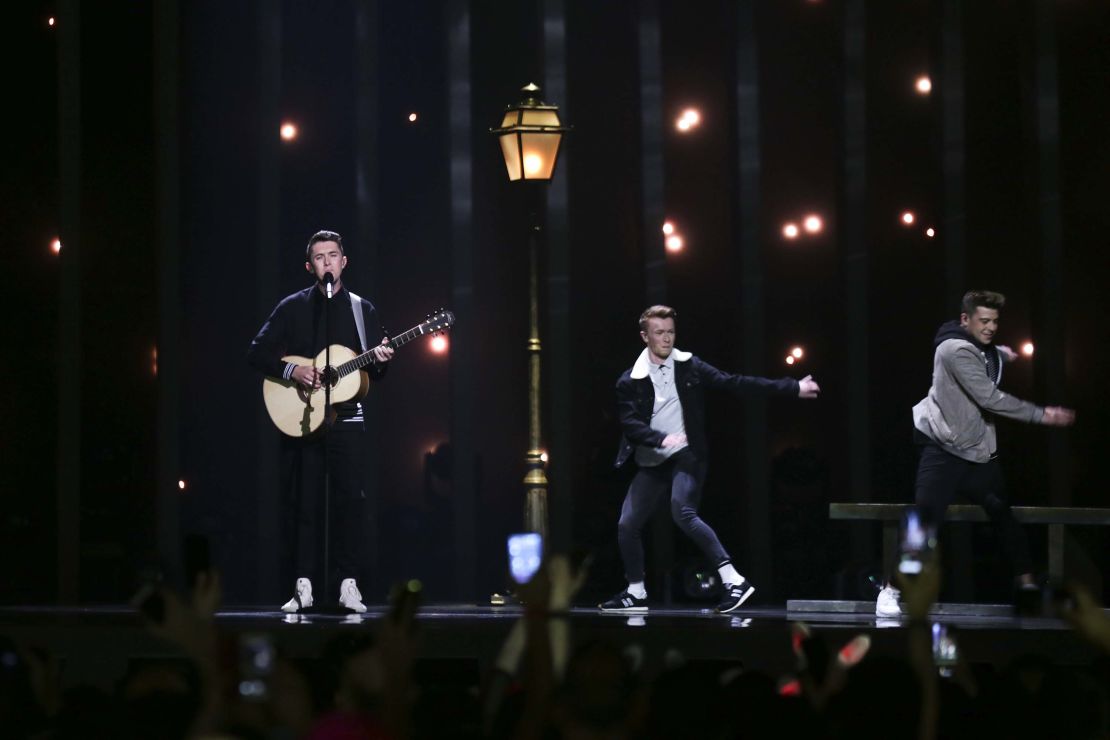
column 296, row 327
column 636, row 401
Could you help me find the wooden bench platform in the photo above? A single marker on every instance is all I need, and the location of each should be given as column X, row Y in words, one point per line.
column 1056, row 517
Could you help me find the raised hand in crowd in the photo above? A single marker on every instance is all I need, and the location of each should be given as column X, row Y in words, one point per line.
column 819, row 677
column 1079, row 609
column 919, row 593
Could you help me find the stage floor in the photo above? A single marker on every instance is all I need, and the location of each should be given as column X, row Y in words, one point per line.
column 95, row 642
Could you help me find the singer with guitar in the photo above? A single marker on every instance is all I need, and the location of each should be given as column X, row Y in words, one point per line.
column 305, row 324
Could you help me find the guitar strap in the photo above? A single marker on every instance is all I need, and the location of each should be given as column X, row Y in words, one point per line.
column 356, row 306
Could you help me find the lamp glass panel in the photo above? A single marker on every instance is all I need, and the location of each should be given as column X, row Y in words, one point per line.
column 539, row 155
column 539, row 117
column 510, row 149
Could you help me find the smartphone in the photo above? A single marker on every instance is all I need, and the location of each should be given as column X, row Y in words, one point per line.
column 945, row 651
column 256, row 665
column 525, row 555
column 917, row 543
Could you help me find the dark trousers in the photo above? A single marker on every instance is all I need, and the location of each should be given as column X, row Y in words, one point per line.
column 303, row 465
column 941, row 477
column 682, row 475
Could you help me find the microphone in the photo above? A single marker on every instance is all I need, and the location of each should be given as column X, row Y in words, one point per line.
column 328, row 280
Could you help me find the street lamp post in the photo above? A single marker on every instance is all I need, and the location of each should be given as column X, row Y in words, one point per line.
column 530, row 135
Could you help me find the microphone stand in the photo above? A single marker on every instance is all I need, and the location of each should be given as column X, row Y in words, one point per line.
column 327, row 434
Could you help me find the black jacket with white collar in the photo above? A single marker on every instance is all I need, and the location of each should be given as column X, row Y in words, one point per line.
column 636, row 400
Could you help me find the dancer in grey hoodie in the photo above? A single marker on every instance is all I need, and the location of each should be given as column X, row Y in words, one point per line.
column 954, row 425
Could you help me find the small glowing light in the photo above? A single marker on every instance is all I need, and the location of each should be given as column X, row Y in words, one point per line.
column 56, row 246
column 923, row 85
column 181, row 485
column 1027, row 349
column 50, row 21
column 675, row 243
column 790, row 230
column 439, row 344
column 908, row 218
column 288, row 131
column 533, row 163
column 797, row 353
column 790, row 359
column 543, row 456
column 668, row 228
column 689, row 119
column 930, row 232
column 154, row 361
column 412, row 118
column 813, row 223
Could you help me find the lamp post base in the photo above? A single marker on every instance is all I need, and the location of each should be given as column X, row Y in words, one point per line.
column 535, row 494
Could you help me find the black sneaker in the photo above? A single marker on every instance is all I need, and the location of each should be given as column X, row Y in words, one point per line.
column 735, row 595
column 624, row 602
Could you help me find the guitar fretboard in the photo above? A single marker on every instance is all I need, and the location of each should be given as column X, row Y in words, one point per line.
column 367, row 357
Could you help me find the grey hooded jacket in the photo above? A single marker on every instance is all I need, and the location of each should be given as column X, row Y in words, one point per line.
column 958, row 414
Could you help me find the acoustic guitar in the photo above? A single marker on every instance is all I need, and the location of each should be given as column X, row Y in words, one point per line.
column 299, row 411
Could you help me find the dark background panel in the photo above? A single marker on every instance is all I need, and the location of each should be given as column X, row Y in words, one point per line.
column 238, row 183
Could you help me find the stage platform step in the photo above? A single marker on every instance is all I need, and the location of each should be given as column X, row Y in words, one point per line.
column 830, row 606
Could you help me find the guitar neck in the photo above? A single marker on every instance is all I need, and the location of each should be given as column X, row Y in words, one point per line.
column 367, row 357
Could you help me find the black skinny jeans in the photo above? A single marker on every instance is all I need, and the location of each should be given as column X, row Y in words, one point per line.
column 302, row 462
column 941, row 477
column 683, row 475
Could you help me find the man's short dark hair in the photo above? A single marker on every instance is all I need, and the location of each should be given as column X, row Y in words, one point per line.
column 986, row 298
column 323, row 236
column 656, row 312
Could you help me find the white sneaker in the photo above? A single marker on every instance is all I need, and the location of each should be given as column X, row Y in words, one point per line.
column 350, row 597
column 887, row 603
column 302, row 597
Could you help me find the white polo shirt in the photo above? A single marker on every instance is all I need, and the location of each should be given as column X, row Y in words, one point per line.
column 666, row 414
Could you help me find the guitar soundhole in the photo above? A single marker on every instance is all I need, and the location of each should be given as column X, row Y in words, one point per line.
column 330, row 377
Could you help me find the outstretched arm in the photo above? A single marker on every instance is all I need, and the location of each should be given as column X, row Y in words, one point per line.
column 968, row 370
column 745, row 385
